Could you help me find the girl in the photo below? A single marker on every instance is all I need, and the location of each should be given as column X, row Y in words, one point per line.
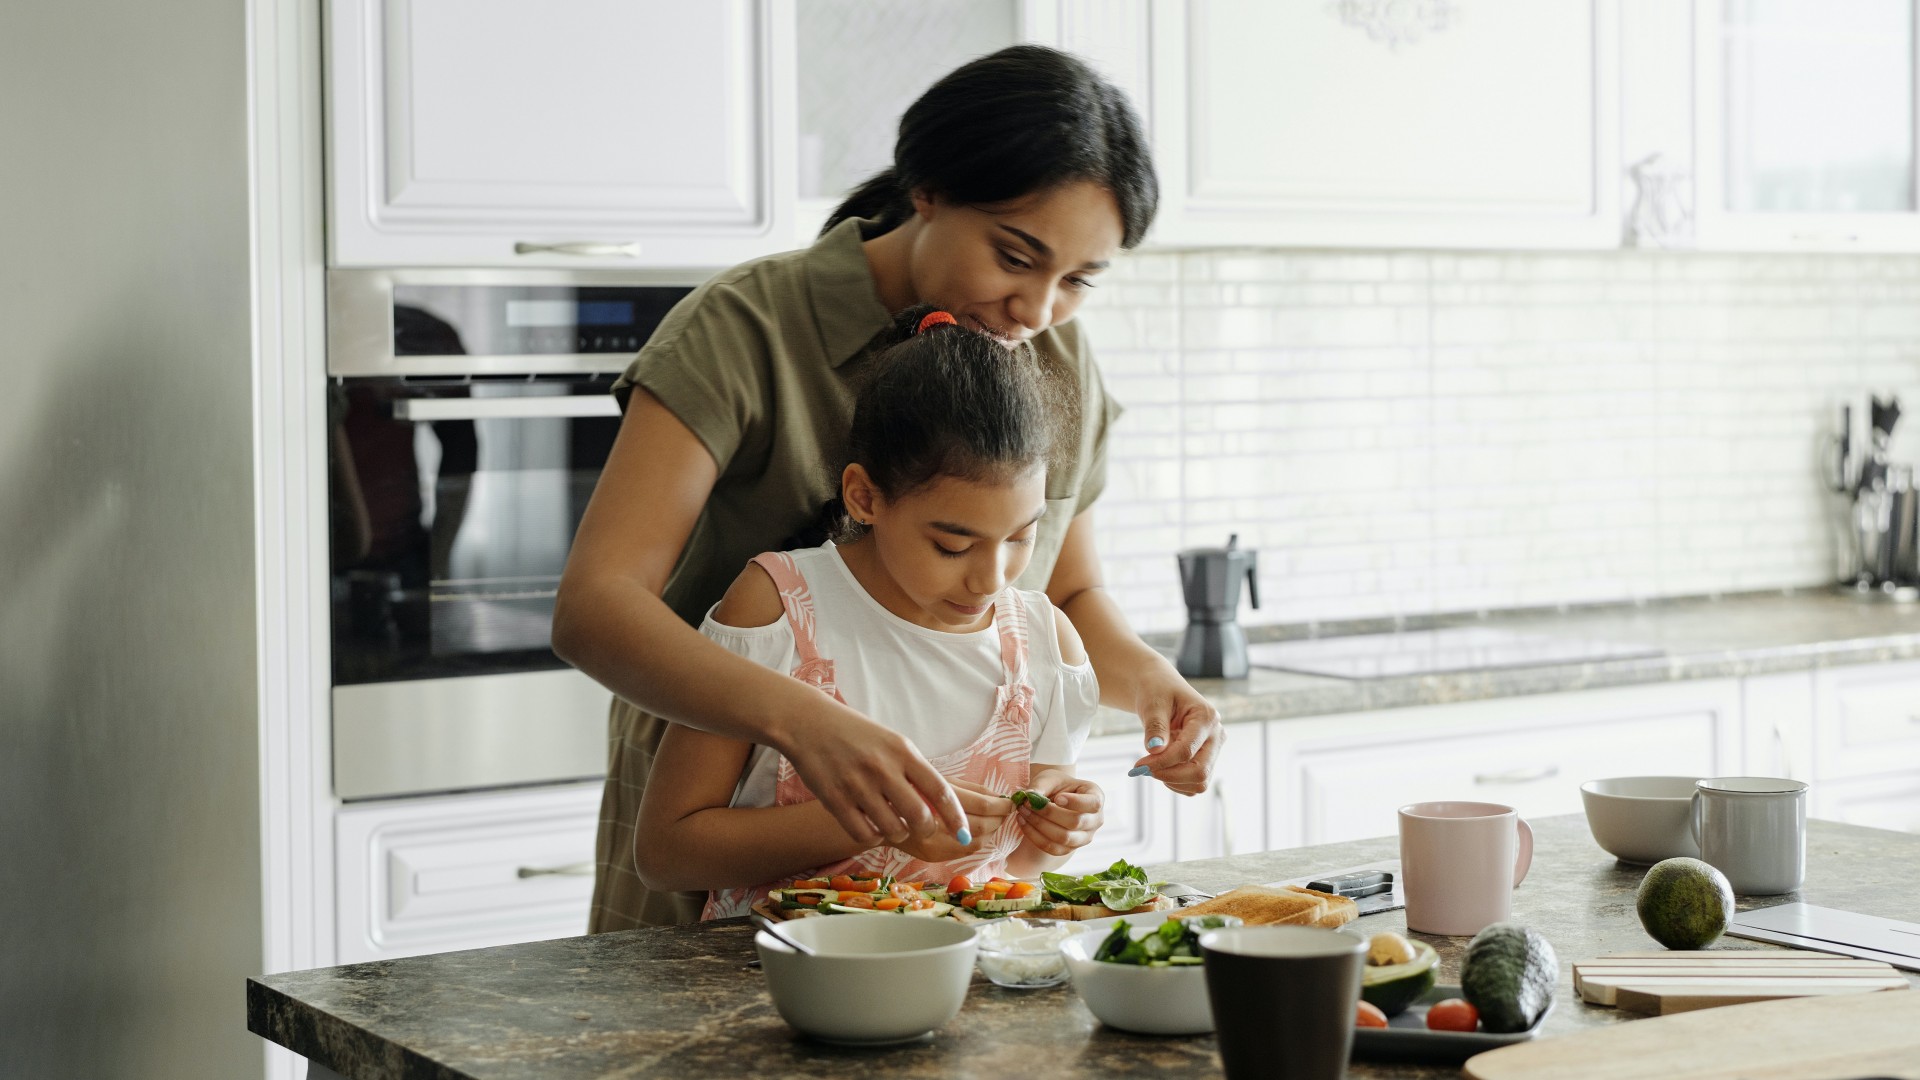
column 910, row 620
column 1016, row 179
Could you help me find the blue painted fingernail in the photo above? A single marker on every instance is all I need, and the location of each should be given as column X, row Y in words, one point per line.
column 965, row 836
column 1156, row 743
column 1139, row 770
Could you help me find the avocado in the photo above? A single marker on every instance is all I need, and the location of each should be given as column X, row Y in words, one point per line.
column 1392, row 987
column 1509, row 975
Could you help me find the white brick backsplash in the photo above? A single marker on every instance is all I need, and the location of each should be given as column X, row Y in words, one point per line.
column 1413, row 433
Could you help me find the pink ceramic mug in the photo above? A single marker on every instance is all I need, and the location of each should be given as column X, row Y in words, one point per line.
column 1459, row 864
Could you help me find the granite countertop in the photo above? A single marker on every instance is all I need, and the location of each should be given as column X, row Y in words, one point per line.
column 681, row 1002
column 1747, row 634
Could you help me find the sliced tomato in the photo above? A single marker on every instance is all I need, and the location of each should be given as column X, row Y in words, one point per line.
column 856, row 900
column 921, row 904
column 888, row 903
column 814, row 883
column 856, row 884
column 998, row 886
column 1369, row 1015
column 840, row 883
column 971, row 900
column 807, row 898
column 1020, row 889
column 958, row 885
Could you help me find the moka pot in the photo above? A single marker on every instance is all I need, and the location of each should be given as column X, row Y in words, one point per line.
column 1214, row 646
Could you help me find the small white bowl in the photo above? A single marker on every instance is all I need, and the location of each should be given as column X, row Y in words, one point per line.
column 1145, row 1000
column 877, row 979
column 1641, row 819
column 1024, row 954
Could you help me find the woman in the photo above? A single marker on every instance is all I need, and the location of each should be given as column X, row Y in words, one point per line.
column 1016, row 180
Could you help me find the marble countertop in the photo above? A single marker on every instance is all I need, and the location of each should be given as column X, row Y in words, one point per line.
column 1748, row 634
column 681, row 1002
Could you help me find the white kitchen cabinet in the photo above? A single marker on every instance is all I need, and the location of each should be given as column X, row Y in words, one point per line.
column 1804, row 125
column 1344, row 777
column 627, row 133
column 1139, row 810
column 1485, row 125
column 1867, row 721
column 463, row 872
column 1888, row 802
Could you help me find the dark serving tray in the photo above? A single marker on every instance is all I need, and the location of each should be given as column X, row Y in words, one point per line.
column 1406, row 1038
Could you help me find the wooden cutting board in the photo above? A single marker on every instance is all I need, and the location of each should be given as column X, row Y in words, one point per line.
column 1863, row 1035
column 1668, row 982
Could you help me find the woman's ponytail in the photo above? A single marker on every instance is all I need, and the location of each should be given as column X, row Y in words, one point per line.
column 882, row 198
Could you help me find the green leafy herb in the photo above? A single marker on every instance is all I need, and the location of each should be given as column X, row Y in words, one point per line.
column 1174, row 943
column 1121, row 886
column 1032, row 800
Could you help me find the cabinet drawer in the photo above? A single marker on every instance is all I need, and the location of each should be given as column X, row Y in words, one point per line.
column 1868, row 722
column 1139, row 809
column 1880, row 803
column 1355, row 793
column 465, row 872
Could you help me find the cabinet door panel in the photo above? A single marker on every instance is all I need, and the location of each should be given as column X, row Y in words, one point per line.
column 628, row 132
column 1388, row 124
column 1869, row 721
column 464, row 872
column 1139, row 809
column 1889, row 803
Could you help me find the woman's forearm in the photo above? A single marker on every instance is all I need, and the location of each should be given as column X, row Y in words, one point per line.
column 1118, row 655
column 727, row 847
column 627, row 639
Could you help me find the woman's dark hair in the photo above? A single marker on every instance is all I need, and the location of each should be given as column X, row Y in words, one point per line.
column 1021, row 120
column 947, row 401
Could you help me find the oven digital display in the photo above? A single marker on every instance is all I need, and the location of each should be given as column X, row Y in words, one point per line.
column 606, row 312
column 540, row 312
column 527, row 320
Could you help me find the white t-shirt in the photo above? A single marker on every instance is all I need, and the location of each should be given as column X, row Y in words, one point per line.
column 934, row 687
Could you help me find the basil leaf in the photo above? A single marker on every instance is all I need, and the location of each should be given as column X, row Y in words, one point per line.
column 1124, row 870
column 1122, row 895
column 1071, row 889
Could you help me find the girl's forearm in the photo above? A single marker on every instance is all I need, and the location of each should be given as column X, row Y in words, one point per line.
column 1117, row 653
column 731, row 847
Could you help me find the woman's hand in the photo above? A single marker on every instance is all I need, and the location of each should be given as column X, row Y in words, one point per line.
column 1187, row 728
column 872, row 779
column 986, row 813
column 1075, row 810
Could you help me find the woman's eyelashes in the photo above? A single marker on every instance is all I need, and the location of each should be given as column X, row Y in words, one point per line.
column 947, row 552
column 1015, row 261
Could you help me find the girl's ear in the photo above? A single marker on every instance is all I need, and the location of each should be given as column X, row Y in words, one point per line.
column 860, row 494
column 924, row 203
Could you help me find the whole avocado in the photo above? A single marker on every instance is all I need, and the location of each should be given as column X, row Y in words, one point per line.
column 1684, row 903
column 1509, row 975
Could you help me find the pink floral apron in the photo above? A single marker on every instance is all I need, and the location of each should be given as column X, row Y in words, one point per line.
column 1000, row 759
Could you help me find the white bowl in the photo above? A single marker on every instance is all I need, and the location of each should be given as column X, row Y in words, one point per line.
column 1145, row 1000
column 1641, row 819
column 877, row 979
column 1024, row 954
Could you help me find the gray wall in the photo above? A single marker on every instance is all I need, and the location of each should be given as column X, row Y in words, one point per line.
column 129, row 803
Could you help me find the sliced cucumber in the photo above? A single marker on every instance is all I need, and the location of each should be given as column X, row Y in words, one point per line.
column 1025, row 903
column 934, row 912
column 935, row 893
column 842, row 909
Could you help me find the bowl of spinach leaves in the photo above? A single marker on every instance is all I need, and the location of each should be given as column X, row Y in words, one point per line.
column 1145, row 976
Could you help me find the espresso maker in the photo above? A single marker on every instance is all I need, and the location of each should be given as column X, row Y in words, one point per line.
column 1214, row 646
column 1878, row 544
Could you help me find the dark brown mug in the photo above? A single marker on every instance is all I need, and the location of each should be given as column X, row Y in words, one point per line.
column 1283, row 999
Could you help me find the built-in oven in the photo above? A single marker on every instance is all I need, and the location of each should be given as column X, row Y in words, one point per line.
column 469, row 416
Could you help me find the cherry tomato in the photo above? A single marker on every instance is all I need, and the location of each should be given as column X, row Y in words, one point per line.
column 856, row 900
column 1369, row 1015
column 814, row 883
column 1020, row 889
column 970, row 900
column 1453, row 1014
column 840, row 883
column 958, row 885
column 888, row 904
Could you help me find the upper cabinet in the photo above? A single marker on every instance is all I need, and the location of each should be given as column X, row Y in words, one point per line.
column 543, row 133
column 1804, row 127
column 1417, row 123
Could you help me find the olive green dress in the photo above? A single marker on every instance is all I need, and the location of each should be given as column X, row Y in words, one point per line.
column 762, row 364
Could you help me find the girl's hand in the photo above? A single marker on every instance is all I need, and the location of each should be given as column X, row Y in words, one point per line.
column 1075, row 810
column 1187, row 726
column 986, row 813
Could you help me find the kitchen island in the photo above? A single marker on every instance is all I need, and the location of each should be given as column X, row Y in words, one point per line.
column 682, row 1002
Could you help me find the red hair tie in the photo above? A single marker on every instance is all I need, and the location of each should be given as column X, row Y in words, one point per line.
column 935, row 318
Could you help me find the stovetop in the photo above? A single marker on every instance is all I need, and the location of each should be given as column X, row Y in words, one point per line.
column 1435, row 652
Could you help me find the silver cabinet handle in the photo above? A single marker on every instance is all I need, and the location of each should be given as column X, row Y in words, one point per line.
column 582, row 248
column 513, row 408
column 1517, row 776
column 579, row 869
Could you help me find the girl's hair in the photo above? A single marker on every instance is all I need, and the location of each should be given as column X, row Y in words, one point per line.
column 947, row 401
column 1021, row 120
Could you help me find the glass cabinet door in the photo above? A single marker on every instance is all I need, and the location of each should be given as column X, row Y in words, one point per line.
column 861, row 63
column 1806, row 124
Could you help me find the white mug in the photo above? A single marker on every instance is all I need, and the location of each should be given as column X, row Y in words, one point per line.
column 1459, row 864
column 1754, row 830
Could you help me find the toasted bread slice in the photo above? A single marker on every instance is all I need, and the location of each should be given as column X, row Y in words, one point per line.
column 1287, row 905
column 1086, row 912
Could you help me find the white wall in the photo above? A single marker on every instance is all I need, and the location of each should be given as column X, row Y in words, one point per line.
column 1411, row 433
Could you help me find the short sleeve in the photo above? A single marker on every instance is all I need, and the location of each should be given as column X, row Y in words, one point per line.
column 1097, row 412
column 1069, row 703
column 707, row 364
column 770, row 646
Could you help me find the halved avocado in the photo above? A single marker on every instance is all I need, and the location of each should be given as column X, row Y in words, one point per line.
column 1393, row 987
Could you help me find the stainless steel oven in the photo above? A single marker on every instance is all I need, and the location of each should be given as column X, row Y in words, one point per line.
column 469, row 416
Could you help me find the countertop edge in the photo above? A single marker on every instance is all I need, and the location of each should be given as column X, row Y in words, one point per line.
column 327, row 1040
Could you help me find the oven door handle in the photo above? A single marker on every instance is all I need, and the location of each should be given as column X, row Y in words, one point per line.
column 511, row 408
